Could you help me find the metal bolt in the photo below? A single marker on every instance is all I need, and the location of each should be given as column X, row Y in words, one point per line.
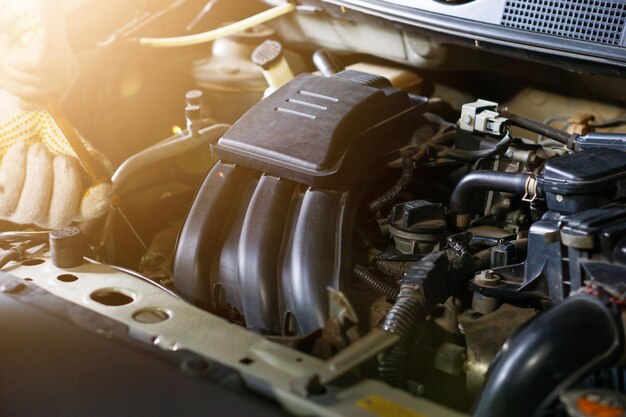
column 559, row 198
column 194, row 97
column 467, row 119
column 487, row 278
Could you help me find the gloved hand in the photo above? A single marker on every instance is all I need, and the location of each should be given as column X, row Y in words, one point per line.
column 42, row 182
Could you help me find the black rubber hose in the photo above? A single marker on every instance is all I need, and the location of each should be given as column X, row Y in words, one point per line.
column 389, row 290
column 550, row 354
column 538, row 127
column 485, row 181
column 405, row 179
column 614, row 122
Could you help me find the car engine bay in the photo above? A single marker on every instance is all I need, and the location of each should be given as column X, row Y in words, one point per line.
column 353, row 199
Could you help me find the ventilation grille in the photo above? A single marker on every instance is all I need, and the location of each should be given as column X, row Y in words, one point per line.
column 589, row 20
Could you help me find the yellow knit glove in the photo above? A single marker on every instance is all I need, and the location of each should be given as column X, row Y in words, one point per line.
column 42, row 182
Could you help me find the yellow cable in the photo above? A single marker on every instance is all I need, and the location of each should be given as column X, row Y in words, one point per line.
column 222, row 32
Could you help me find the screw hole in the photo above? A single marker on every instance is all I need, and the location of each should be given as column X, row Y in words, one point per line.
column 151, row 315
column 111, row 297
column 67, row 278
column 247, row 361
column 33, row 262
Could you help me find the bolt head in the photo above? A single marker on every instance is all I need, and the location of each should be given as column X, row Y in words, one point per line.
column 487, row 278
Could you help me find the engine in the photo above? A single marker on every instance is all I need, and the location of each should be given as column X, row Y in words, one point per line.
column 368, row 207
column 272, row 226
column 455, row 236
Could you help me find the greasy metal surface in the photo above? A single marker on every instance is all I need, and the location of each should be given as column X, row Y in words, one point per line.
column 265, row 366
column 485, row 336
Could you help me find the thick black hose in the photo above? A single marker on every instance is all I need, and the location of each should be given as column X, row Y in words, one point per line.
column 485, row 181
column 538, row 127
column 614, row 122
column 405, row 179
column 389, row 290
column 549, row 355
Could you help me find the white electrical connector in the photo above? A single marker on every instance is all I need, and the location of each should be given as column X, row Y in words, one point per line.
column 482, row 116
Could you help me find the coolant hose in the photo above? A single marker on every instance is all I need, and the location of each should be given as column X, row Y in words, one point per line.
column 548, row 355
column 506, row 182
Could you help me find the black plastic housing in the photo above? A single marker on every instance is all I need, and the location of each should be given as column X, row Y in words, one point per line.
column 321, row 131
column 271, row 227
column 583, row 180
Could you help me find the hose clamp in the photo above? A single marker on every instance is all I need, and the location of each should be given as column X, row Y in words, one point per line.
column 531, row 189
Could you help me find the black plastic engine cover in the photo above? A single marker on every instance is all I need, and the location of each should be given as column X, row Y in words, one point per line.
column 321, row 131
column 271, row 227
